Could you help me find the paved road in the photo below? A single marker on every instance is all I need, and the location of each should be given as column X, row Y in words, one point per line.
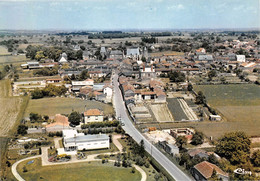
column 129, row 128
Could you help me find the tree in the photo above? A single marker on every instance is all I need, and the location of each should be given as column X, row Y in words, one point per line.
column 74, row 118
column 142, row 149
column 200, row 98
column 37, row 94
column 212, row 74
column 214, row 175
column 190, row 87
column 212, row 159
column 234, row 146
column 35, row 117
column 197, row 138
column 180, row 141
column 46, row 117
column 256, row 158
column 176, row 76
column 22, row 129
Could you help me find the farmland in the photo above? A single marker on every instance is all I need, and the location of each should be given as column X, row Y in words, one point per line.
column 239, row 104
column 161, row 112
column 52, row 106
column 77, row 171
column 11, row 107
column 176, row 110
column 10, row 59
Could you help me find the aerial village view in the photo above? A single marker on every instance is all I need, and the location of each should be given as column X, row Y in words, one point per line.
column 141, row 90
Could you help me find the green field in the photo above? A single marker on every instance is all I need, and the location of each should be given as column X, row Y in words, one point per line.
column 231, row 95
column 239, row 104
column 52, row 106
column 77, row 171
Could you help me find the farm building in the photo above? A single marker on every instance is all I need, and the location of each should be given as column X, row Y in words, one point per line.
column 93, row 115
column 187, row 132
column 78, row 141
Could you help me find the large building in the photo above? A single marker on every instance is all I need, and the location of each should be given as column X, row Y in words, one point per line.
column 73, row 140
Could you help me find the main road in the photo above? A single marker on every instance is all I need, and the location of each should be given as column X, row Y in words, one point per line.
column 130, row 129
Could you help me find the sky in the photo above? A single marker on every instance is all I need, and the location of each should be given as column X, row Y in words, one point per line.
column 128, row 14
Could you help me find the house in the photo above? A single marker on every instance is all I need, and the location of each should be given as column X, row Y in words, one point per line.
column 93, row 115
column 208, row 58
column 63, row 58
column 60, row 123
column 203, row 171
column 148, row 72
column 198, row 152
column 133, row 52
column 241, row 58
column 169, row 148
column 78, row 141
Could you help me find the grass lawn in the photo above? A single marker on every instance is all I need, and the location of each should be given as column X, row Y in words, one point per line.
column 77, row 171
column 52, row 106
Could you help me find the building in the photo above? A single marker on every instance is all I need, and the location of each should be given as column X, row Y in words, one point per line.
column 203, row 171
column 63, row 58
column 169, row 148
column 52, row 81
column 187, row 132
column 93, row 115
column 214, row 117
column 60, row 123
column 76, row 85
column 241, row 58
column 73, row 140
column 133, row 52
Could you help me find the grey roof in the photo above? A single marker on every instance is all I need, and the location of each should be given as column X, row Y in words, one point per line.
column 86, row 138
column 132, row 51
column 205, row 57
column 103, row 50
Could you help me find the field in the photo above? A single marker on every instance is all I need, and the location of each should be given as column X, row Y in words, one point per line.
column 77, row 171
column 3, row 51
column 11, row 108
column 176, row 110
column 13, row 59
column 239, row 104
column 161, row 112
column 52, row 106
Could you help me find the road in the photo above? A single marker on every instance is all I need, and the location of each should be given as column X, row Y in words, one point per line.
column 130, row 129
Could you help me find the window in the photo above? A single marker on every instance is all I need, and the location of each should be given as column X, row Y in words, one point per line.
column 96, row 117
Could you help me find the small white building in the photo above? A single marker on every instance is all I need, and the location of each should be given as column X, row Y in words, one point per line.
column 241, row 58
column 93, row 115
column 78, row 141
column 215, row 117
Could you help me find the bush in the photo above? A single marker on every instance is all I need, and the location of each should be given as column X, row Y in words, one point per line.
column 133, row 170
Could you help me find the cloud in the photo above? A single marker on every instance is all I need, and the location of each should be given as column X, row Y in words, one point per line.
column 176, row 7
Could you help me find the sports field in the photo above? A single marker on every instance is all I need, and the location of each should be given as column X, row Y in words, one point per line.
column 77, row 171
column 52, row 106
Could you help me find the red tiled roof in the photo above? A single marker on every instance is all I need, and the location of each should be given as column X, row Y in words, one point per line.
column 206, row 169
column 93, row 112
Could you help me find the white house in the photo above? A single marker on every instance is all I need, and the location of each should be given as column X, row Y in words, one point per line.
column 108, row 91
column 93, row 115
column 78, row 141
column 241, row 58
